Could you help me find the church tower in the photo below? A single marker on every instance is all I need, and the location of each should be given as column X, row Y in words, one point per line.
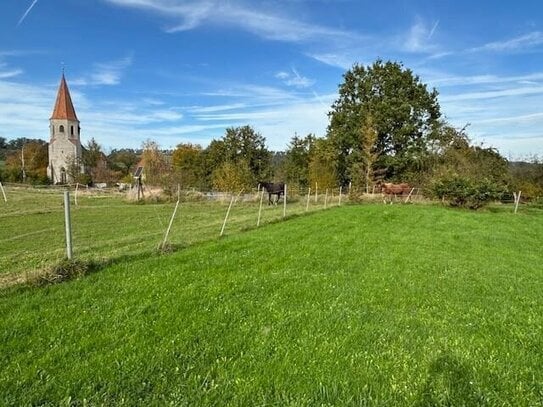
column 64, row 143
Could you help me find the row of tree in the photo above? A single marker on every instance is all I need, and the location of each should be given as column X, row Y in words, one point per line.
column 385, row 124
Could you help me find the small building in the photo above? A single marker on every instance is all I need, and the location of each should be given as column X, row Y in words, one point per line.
column 65, row 153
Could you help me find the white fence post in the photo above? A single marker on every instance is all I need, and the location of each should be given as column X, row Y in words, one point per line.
column 316, row 192
column 68, row 224
column 227, row 213
column 3, row 192
column 285, row 202
column 326, row 198
column 308, row 196
column 340, row 191
column 409, row 196
column 260, row 207
column 170, row 224
column 75, row 195
column 517, row 201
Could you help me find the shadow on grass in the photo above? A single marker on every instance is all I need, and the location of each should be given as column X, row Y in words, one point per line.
column 449, row 383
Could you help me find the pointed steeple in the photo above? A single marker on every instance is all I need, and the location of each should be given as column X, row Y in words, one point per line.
column 64, row 108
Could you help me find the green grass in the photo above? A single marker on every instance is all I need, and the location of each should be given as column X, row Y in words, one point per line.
column 359, row 305
column 106, row 227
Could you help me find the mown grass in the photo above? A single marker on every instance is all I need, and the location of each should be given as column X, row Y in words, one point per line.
column 360, row 305
column 107, row 227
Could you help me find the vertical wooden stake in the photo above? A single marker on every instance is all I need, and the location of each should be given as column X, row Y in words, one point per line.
column 285, row 202
column 307, row 203
column 227, row 213
column 260, row 207
column 170, row 224
column 517, row 202
column 325, row 198
column 316, row 192
column 409, row 196
column 3, row 192
column 340, row 190
column 75, row 195
column 68, row 224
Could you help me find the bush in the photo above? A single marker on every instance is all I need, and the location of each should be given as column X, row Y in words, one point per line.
column 466, row 192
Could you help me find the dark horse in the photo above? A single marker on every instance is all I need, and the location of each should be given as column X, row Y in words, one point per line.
column 271, row 188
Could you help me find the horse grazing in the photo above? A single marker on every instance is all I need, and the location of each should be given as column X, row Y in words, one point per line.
column 393, row 190
column 271, row 188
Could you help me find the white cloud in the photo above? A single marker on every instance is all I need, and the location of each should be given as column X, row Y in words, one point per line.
column 105, row 73
column 294, row 79
column 492, row 94
column 419, row 37
column 10, row 73
column 266, row 23
column 523, row 42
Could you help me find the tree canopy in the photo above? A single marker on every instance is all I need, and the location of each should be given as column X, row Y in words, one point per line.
column 404, row 114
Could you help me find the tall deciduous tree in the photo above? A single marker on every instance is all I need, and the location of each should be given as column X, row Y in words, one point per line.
column 239, row 144
column 154, row 163
column 123, row 160
column 297, row 160
column 244, row 143
column 322, row 170
column 187, row 162
column 404, row 113
column 232, row 177
column 27, row 162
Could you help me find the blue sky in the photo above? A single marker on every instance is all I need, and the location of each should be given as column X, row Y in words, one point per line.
column 183, row 71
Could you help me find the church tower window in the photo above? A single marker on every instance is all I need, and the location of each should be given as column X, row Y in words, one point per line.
column 61, row 128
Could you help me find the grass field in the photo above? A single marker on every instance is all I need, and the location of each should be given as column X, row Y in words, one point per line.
column 359, row 305
column 108, row 227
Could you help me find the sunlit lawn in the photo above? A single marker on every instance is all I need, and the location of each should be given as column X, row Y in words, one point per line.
column 358, row 305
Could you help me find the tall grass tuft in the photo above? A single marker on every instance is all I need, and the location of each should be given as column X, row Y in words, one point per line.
column 62, row 271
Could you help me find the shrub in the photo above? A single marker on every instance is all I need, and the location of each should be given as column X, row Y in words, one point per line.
column 466, row 192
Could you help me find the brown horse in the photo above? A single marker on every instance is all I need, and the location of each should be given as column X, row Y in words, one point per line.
column 390, row 190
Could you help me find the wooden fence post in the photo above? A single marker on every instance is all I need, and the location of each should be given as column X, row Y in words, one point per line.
column 227, row 213
column 170, row 224
column 260, row 208
column 517, row 201
column 285, row 202
column 68, row 224
column 3, row 192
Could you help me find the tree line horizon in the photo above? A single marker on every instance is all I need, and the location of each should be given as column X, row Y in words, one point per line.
column 384, row 125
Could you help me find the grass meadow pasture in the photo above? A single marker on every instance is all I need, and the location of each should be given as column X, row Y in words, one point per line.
column 108, row 227
column 372, row 305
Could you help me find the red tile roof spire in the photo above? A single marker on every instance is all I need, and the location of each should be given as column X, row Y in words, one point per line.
column 64, row 108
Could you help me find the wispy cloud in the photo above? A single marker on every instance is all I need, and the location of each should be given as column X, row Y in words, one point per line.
column 10, row 73
column 27, row 12
column 492, row 94
column 419, row 37
column 266, row 23
column 293, row 78
column 105, row 73
column 6, row 72
column 523, row 42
